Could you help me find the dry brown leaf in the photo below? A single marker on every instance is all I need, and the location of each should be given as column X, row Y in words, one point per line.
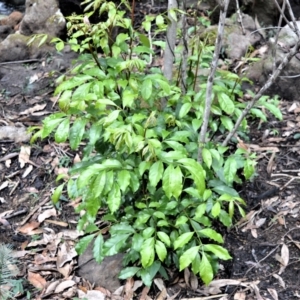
column 40, row 259
column 254, row 233
column 36, row 280
column 58, row 223
column 103, row 290
column 29, row 227
column 284, row 258
column 65, row 254
column 194, row 281
column 91, row 295
column 162, row 295
column 24, row 155
column 31, row 110
column 76, row 159
column 64, row 285
column 129, row 289
column 280, row 280
column 239, row 296
column 27, row 171
column 4, row 185
column 47, row 214
column 4, row 222
column 144, row 295
column 273, row 293
column 260, row 222
column 187, row 274
column 52, row 286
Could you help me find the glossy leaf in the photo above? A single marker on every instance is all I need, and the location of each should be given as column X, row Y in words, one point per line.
column 217, row 250
column 230, row 169
column 128, row 272
column 62, row 131
column 123, row 179
column 57, row 193
column 206, row 270
column 226, row 103
column 114, row 198
column 98, row 248
column 146, row 89
column 183, row 239
column 161, row 250
column 83, row 243
column 76, row 133
column 147, row 252
column 187, row 257
column 155, row 173
column 164, row 238
column 212, row 234
column 207, row 157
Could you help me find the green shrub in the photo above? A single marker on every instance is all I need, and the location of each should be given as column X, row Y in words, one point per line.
column 139, row 168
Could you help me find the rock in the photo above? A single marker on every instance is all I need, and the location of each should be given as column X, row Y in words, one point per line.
column 15, row 47
column 236, row 42
column 13, row 19
column 288, row 84
column 104, row 274
column 5, row 30
column 43, row 16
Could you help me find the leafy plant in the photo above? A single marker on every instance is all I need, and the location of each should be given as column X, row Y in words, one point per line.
column 139, row 161
column 9, row 286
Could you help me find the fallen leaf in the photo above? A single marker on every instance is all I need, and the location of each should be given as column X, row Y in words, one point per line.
column 31, row 110
column 280, row 280
column 239, row 296
column 27, row 171
column 64, row 285
column 273, row 293
column 36, row 280
column 284, row 258
column 24, row 155
column 47, row 214
column 29, row 227
column 91, row 295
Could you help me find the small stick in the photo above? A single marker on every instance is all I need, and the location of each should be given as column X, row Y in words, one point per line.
column 20, row 61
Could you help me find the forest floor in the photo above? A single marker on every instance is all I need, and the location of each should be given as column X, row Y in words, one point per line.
column 265, row 245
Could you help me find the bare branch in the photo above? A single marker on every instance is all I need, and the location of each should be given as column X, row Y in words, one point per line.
column 272, row 77
column 214, row 65
column 270, row 81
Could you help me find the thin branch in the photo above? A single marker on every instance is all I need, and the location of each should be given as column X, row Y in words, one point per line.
column 274, row 75
column 214, row 65
column 183, row 75
column 269, row 82
column 274, row 47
